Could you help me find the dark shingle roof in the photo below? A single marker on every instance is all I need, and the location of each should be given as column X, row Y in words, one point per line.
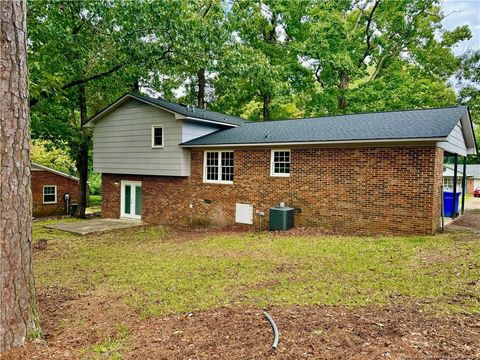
column 194, row 111
column 409, row 124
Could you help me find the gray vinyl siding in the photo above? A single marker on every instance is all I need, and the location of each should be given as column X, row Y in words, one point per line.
column 192, row 130
column 122, row 142
column 455, row 143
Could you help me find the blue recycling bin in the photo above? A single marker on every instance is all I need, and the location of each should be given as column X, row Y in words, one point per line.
column 448, row 203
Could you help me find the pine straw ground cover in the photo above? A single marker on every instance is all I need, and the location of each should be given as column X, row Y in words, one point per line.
column 152, row 293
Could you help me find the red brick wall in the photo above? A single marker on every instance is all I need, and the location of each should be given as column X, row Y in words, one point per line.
column 371, row 189
column 64, row 185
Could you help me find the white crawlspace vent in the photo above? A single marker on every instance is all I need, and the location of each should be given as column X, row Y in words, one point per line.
column 244, row 213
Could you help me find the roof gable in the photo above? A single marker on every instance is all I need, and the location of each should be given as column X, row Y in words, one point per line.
column 181, row 111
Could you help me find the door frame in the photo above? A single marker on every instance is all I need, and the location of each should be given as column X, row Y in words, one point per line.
column 122, row 199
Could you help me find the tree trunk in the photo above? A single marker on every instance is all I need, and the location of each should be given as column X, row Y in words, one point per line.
column 18, row 320
column 266, row 107
column 82, row 156
column 343, row 87
column 136, row 87
column 201, row 82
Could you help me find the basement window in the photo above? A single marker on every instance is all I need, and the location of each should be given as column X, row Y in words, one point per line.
column 50, row 194
column 218, row 167
column 280, row 163
column 157, row 136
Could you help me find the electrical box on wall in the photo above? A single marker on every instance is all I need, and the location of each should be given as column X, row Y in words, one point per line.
column 244, row 213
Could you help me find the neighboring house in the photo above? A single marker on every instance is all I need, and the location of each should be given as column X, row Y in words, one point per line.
column 167, row 163
column 49, row 187
column 473, row 177
column 448, row 175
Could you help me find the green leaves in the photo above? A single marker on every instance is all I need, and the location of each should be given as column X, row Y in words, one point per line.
column 261, row 60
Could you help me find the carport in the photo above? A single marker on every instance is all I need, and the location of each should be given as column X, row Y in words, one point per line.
column 459, row 144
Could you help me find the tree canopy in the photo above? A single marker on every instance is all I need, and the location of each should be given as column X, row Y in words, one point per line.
column 263, row 60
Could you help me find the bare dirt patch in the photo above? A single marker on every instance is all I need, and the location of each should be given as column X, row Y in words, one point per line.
column 471, row 219
column 40, row 244
column 180, row 235
column 72, row 324
column 308, row 332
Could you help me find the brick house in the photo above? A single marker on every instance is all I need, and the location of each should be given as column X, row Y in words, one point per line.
column 473, row 177
column 168, row 163
column 472, row 180
column 49, row 187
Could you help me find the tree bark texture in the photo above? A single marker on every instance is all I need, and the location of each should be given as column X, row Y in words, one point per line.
column 343, row 87
column 82, row 156
column 201, row 82
column 266, row 108
column 18, row 321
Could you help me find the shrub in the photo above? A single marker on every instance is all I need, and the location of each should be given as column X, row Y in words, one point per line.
column 95, row 183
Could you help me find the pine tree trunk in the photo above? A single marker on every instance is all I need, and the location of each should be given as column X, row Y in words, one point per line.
column 201, row 82
column 343, row 87
column 82, row 156
column 17, row 289
column 266, row 107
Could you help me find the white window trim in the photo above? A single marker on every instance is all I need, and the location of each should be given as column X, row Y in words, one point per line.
column 153, row 136
column 272, row 165
column 219, row 181
column 43, row 194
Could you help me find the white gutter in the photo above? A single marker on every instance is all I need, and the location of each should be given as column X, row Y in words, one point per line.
column 378, row 141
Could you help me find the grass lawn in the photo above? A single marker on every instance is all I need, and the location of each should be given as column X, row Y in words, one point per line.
column 95, row 202
column 158, row 275
column 152, row 293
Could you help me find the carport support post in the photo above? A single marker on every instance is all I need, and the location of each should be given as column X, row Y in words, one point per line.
column 454, row 198
column 464, row 183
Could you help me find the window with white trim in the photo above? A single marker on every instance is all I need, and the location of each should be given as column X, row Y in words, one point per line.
column 280, row 163
column 218, row 167
column 157, row 136
column 50, row 194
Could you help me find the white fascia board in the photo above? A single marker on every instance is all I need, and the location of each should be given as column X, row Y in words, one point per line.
column 374, row 141
column 468, row 133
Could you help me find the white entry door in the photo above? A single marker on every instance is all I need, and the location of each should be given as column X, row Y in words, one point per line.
column 131, row 199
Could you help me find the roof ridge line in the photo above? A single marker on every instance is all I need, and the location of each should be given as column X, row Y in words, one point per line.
column 146, row 97
column 359, row 113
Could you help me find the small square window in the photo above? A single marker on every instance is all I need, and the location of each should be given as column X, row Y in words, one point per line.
column 50, row 194
column 280, row 163
column 157, row 136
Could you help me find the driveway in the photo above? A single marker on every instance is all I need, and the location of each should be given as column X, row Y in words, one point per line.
column 472, row 203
